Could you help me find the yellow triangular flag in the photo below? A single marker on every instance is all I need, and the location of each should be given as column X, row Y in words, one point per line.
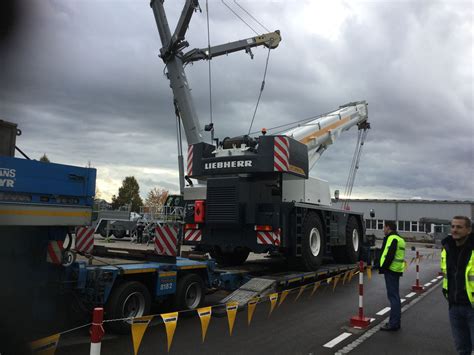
column 302, row 288
column 351, row 275
column 170, row 320
column 139, row 326
column 205, row 317
column 405, row 265
column 251, row 308
column 369, row 272
column 45, row 346
column 346, row 275
column 283, row 296
column 231, row 309
column 336, row 280
column 273, row 299
column 315, row 287
column 329, row 280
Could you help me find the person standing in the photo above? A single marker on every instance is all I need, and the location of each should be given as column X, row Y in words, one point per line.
column 392, row 265
column 457, row 265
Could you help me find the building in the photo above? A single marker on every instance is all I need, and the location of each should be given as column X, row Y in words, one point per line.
column 408, row 213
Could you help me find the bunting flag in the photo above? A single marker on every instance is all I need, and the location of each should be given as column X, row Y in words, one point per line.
column 231, row 309
column 315, row 287
column 302, row 288
column 170, row 320
column 369, row 272
column 336, row 280
column 283, row 296
column 346, row 275
column 329, row 280
column 412, row 260
column 205, row 317
column 251, row 308
column 351, row 275
column 405, row 265
column 45, row 346
column 139, row 326
column 273, row 300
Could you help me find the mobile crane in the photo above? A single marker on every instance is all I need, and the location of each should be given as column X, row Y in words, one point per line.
column 258, row 195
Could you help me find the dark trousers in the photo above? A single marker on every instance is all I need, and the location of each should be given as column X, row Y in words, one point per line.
column 461, row 318
column 392, row 282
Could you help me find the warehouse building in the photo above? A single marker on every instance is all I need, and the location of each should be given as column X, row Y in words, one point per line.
column 418, row 219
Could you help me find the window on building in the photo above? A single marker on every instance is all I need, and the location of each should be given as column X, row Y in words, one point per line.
column 406, row 226
column 414, row 226
column 400, row 225
column 421, row 227
column 380, row 224
column 373, row 224
column 367, row 224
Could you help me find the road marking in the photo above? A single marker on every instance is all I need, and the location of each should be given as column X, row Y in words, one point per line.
column 402, row 300
column 439, row 277
column 411, row 294
column 337, row 340
column 383, row 311
column 434, row 280
column 355, row 343
column 427, row 284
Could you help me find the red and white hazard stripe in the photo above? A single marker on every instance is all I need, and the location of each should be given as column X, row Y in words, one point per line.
column 281, row 154
column 166, row 240
column 55, row 252
column 277, row 237
column 85, row 239
column 190, row 160
column 193, row 235
column 269, row 238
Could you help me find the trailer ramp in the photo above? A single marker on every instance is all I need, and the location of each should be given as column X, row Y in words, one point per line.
column 255, row 287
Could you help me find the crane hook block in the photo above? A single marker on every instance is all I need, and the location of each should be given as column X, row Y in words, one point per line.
column 270, row 40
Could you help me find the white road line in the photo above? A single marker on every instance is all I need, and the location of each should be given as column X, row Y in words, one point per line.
column 337, row 340
column 383, row 311
column 411, row 294
column 402, row 300
column 427, row 284
column 434, row 280
column 440, row 277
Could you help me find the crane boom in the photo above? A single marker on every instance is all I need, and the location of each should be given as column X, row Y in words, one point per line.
column 324, row 130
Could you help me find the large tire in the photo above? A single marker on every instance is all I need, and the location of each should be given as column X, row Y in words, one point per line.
column 349, row 253
column 313, row 242
column 234, row 258
column 189, row 292
column 128, row 299
column 119, row 233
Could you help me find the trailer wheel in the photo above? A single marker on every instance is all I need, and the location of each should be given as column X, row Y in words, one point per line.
column 312, row 245
column 234, row 258
column 129, row 299
column 189, row 292
column 119, row 233
column 349, row 253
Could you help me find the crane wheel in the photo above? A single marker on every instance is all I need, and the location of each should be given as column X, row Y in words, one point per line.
column 313, row 242
column 349, row 253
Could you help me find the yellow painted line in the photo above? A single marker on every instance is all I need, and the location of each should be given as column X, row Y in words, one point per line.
column 192, row 267
column 323, row 273
column 138, row 271
column 171, row 273
column 45, row 213
column 325, row 130
column 309, row 276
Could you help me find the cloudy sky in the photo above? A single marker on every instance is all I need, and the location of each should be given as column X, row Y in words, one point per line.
column 83, row 81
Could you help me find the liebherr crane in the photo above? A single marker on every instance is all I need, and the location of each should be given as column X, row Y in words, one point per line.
column 258, row 194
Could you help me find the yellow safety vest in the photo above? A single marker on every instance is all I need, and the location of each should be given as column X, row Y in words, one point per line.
column 469, row 276
column 398, row 263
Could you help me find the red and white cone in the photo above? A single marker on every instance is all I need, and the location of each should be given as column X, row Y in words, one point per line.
column 97, row 330
column 360, row 321
column 417, row 287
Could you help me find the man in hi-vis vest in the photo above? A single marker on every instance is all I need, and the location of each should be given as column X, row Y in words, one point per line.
column 392, row 265
column 457, row 265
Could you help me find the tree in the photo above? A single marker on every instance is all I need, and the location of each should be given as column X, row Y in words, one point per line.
column 44, row 158
column 156, row 197
column 129, row 193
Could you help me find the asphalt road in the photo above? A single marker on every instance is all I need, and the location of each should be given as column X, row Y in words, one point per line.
column 307, row 326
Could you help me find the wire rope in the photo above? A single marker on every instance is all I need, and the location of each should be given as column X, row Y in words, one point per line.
column 248, row 13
